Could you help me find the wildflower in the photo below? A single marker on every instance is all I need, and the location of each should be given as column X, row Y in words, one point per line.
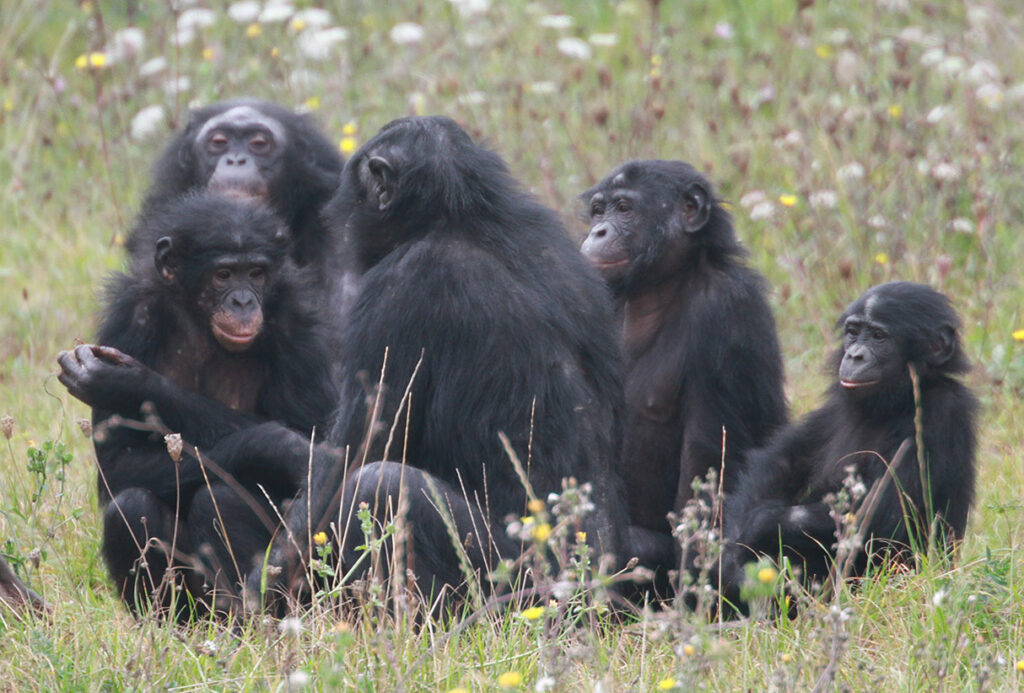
column 126, row 43
column 7, row 425
column 290, row 626
column 196, row 18
column 341, row 626
column 991, row 95
column 895, row 111
column 347, row 145
column 320, row 538
column 938, row 114
column 147, row 121
column 350, row 128
column 787, row 200
column 153, row 66
column 824, row 51
column 535, row 506
column 603, row 40
column 724, row 30
column 1018, row 335
column 666, row 684
column 8, row 105
column 945, row 172
column 932, row 57
column 574, row 48
column 767, row 575
column 752, row 198
column 882, row 258
column 544, row 684
column 542, row 88
column 253, row 30
column 275, row 52
column 458, row 689
column 311, row 17
column 316, row 44
column 581, row 537
column 823, row 199
column 542, row 531
column 468, row 8
column 849, row 518
column 95, row 60
column 244, row 12
column 877, row 221
column 850, row 172
column 1020, row 665
column 786, row 658
column 951, row 66
column 762, row 210
column 656, row 60
column 556, row 21
column 297, row 679
column 298, row 25
column 312, row 103
column 963, row 225
column 689, row 650
column 510, row 679
column 533, row 613
column 405, row 33
column 939, row 598
column 276, row 12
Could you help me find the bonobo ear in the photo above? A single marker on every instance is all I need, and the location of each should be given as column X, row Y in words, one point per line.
column 696, row 207
column 383, row 180
column 942, row 346
column 165, row 260
column 282, row 237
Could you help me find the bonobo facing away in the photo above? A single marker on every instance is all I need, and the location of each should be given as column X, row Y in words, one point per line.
column 484, row 319
column 701, row 349
column 212, row 340
column 866, row 431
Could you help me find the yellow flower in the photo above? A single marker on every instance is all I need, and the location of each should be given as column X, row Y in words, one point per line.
column 313, row 103
column 666, row 684
column 207, row 53
column 253, row 30
column 1020, row 665
column 895, row 111
column 849, row 518
column 533, row 613
column 320, row 538
column 824, row 51
column 94, row 60
column 689, row 650
column 1018, row 335
column 459, row 689
column 535, row 505
column 581, row 537
column 510, row 679
column 275, row 52
column 655, row 60
column 86, row 6
column 347, row 145
column 350, row 128
column 8, row 105
column 340, row 626
column 542, row 531
column 767, row 575
column 882, row 258
column 787, row 200
column 298, row 25
column 118, row 239
column 786, row 658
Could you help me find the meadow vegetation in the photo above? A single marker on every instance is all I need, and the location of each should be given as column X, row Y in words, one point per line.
column 854, row 143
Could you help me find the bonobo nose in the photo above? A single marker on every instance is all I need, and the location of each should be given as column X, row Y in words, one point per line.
column 599, row 231
column 242, row 299
column 236, row 161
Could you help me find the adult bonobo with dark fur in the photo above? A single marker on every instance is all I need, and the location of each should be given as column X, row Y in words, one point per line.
column 265, row 152
column 214, row 341
column 868, row 424
column 702, row 354
column 485, row 320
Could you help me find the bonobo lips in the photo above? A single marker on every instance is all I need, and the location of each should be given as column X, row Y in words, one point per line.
column 608, row 264
column 854, row 384
column 235, row 340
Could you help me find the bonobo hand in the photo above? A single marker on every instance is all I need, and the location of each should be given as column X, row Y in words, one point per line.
column 104, row 378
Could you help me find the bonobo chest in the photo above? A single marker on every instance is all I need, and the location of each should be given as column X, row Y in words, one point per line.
column 234, row 380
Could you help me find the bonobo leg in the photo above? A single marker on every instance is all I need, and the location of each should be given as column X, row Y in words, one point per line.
column 433, row 558
column 138, row 534
column 657, row 552
column 230, row 538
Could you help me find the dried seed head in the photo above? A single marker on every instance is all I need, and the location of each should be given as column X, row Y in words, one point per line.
column 174, row 445
column 85, row 426
column 7, row 426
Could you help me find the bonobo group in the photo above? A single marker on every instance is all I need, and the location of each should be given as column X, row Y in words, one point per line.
column 302, row 347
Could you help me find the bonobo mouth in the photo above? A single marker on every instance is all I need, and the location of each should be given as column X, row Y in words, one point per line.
column 608, row 264
column 854, row 384
column 245, row 191
column 234, row 341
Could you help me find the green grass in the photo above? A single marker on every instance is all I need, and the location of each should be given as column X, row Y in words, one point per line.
column 781, row 106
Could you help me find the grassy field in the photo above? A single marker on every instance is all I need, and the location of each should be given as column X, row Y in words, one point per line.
column 855, row 142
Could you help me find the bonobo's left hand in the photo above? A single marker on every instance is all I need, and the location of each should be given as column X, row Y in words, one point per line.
column 105, row 378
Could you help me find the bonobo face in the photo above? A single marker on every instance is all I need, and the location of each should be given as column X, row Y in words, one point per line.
column 240, row 152
column 871, row 358
column 614, row 218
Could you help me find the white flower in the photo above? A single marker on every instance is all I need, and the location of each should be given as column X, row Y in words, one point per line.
column 877, row 222
column 316, row 44
column 823, row 199
column 184, row 36
column 543, row 88
column 153, row 66
column 752, row 198
column 556, row 21
column 405, row 33
column 962, row 225
column 468, row 8
column 196, row 18
column 838, row 37
column 991, row 95
column 983, row 71
column 574, row 48
column 977, row 15
column 627, row 8
column 762, row 210
column 544, row 684
column 180, row 85
column 945, row 172
column 1015, row 93
column 939, row 598
column 147, row 121
column 724, row 30
column 298, row 679
column 951, row 66
column 932, row 57
column 313, row 17
column 290, row 625
column 850, row 172
column 244, row 12
column 603, row 40
column 473, row 98
column 125, row 44
column 276, row 12
column 938, row 114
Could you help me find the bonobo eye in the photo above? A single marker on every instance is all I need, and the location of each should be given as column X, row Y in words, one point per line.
column 623, row 206
column 596, row 207
column 878, row 334
column 259, row 143
column 217, row 143
column 257, row 275
column 852, row 329
column 222, row 275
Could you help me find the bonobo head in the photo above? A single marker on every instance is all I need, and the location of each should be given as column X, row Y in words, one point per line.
column 220, row 258
column 649, row 219
column 893, row 325
column 416, row 175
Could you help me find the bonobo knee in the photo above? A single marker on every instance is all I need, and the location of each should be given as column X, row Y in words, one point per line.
column 373, row 483
column 135, row 509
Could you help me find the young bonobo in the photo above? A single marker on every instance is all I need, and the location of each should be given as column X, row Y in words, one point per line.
column 213, row 340
column 702, row 354
column 866, row 431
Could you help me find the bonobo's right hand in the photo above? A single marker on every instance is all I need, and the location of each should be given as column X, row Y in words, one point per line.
column 104, row 378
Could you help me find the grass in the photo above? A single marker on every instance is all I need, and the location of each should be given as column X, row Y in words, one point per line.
column 905, row 113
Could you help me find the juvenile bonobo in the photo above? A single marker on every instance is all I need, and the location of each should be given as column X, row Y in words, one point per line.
column 484, row 319
column 867, row 426
column 701, row 350
column 215, row 341
column 263, row 152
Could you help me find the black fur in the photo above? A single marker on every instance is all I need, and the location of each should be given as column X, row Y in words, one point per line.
column 701, row 348
column 780, row 500
column 251, row 413
column 470, row 280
